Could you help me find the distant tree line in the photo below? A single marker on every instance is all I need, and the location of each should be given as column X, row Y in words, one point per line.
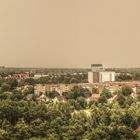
column 128, row 76
column 61, row 79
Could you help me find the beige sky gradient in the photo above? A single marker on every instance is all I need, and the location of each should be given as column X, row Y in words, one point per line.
column 69, row 33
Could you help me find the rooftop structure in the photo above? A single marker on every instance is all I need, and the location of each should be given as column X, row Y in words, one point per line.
column 96, row 67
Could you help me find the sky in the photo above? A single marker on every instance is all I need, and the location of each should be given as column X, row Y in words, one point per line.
column 69, row 33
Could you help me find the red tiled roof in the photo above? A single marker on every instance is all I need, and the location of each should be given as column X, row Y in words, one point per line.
column 131, row 85
column 95, row 96
column 138, row 129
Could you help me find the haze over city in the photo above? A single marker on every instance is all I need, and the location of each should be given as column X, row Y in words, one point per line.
column 69, row 33
column 69, row 70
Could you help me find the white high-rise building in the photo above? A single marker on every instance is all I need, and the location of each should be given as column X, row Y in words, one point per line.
column 98, row 75
column 107, row 76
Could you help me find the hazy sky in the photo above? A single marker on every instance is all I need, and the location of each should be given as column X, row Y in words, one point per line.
column 69, row 33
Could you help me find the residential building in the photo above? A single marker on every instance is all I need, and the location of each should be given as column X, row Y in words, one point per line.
column 99, row 75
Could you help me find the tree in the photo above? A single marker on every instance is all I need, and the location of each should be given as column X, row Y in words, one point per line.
column 138, row 120
column 10, row 111
column 16, row 96
column 136, row 76
column 5, row 95
column 4, row 135
column 39, row 128
column 78, row 92
column 121, row 100
column 102, row 99
column 13, row 83
column 29, row 90
column 124, row 77
column 134, row 124
column 74, row 80
column 106, row 93
column 95, row 90
column 82, row 102
column 22, row 131
column 129, row 100
column 123, row 133
column 52, row 94
column 5, row 87
column 126, row 90
column 30, row 81
column 92, row 136
column 127, row 119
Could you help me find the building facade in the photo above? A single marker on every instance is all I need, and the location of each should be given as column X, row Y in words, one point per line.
column 99, row 75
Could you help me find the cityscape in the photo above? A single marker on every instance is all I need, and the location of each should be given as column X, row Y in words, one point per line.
column 76, row 92
column 69, row 70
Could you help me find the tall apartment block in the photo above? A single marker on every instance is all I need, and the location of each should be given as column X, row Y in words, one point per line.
column 99, row 75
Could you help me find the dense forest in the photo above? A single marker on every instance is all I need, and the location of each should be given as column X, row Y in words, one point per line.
column 75, row 119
